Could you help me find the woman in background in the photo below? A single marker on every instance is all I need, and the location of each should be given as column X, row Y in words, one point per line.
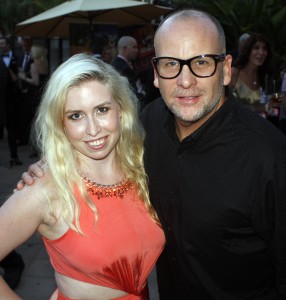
column 36, row 79
column 251, row 72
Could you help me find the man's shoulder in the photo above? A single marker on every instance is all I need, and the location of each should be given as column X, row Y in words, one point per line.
column 118, row 61
column 122, row 67
column 156, row 107
column 257, row 129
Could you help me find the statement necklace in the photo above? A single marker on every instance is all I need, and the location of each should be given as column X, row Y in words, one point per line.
column 106, row 191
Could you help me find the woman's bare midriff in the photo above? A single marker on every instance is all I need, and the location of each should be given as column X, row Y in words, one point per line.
column 75, row 289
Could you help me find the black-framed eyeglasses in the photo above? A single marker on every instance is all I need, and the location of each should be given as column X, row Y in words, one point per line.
column 201, row 66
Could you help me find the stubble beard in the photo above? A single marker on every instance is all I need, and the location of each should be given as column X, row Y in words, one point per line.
column 200, row 113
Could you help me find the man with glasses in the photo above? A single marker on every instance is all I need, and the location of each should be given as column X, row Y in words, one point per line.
column 217, row 173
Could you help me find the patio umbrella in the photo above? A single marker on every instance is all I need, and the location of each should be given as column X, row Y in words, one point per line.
column 55, row 21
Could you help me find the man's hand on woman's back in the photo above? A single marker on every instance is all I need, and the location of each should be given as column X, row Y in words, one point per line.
column 34, row 170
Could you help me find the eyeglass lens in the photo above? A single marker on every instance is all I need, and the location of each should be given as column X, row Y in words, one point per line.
column 199, row 66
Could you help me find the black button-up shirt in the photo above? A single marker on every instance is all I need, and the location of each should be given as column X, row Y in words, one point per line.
column 221, row 197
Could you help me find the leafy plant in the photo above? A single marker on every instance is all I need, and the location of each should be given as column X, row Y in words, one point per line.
column 15, row 11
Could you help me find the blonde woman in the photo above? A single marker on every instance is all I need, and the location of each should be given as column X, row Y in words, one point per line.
column 34, row 82
column 92, row 205
column 39, row 67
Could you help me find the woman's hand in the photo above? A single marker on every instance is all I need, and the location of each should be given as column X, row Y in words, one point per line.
column 22, row 75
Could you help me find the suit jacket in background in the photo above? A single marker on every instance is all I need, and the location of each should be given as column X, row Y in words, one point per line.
column 125, row 70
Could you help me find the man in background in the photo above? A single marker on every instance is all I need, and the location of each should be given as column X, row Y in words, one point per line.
column 127, row 53
column 24, row 65
column 241, row 41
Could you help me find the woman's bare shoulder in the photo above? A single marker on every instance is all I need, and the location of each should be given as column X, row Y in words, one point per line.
column 29, row 202
column 41, row 190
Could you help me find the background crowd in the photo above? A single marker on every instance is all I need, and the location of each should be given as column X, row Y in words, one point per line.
column 255, row 80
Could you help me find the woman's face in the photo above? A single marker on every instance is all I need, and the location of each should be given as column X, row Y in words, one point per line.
column 92, row 121
column 258, row 54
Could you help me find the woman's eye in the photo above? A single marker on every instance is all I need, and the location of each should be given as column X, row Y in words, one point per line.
column 75, row 116
column 102, row 110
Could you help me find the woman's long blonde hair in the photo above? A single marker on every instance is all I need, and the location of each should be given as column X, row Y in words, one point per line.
column 57, row 151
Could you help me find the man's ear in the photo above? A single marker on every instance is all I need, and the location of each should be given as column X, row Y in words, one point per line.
column 227, row 70
column 156, row 79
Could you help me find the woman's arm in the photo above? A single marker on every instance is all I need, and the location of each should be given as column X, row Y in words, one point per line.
column 35, row 79
column 20, row 217
column 6, row 292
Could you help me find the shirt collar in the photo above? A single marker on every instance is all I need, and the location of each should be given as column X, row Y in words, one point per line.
column 7, row 59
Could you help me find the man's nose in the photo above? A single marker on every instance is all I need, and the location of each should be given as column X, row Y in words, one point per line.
column 186, row 78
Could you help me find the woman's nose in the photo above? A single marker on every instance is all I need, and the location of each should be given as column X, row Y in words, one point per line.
column 92, row 127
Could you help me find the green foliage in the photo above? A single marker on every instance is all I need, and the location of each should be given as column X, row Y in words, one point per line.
column 8, row 15
column 239, row 16
column 15, row 11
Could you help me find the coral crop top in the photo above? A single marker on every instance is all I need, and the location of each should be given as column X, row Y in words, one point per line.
column 117, row 251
